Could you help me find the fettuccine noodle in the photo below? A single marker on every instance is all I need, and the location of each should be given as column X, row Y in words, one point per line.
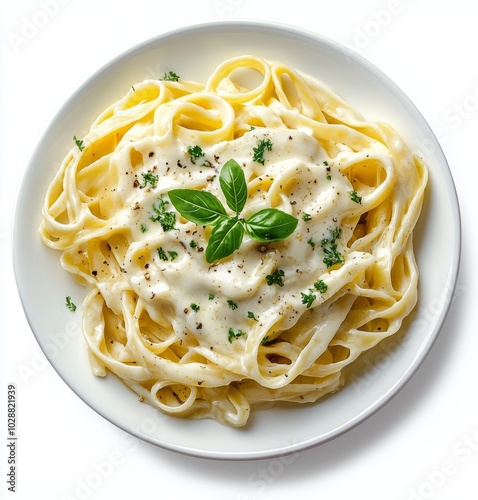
column 274, row 321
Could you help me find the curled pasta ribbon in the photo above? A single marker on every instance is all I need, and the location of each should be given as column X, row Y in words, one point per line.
column 201, row 117
column 293, row 92
column 74, row 193
column 235, row 87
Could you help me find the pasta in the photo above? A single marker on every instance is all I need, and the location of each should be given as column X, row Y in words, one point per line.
column 276, row 320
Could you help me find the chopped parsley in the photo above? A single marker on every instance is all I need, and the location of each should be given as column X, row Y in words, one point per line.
column 311, row 242
column 71, row 306
column 275, row 278
column 195, row 307
column 172, row 254
column 195, row 152
column 355, row 197
column 309, row 298
column 251, row 315
column 320, row 286
column 170, row 76
column 149, row 178
column 327, row 176
column 163, row 255
column 265, row 339
column 234, row 334
column 306, row 217
column 329, row 245
column 79, row 143
column 166, row 219
column 143, row 228
column 211, row 296
column 231, row 304
column 263, row 146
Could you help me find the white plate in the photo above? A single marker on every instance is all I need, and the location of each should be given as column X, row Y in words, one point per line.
column 193, row 53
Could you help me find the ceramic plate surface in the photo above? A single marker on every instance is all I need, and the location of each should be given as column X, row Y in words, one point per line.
column 193, row 53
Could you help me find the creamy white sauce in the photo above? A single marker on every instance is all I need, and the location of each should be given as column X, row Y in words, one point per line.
column 297, row 177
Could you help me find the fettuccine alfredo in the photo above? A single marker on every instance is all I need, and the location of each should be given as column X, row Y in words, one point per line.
column 210, row 317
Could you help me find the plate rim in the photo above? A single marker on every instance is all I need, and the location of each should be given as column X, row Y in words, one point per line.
column 306, row 35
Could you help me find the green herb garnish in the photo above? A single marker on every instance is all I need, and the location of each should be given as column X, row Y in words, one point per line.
column 231, row 304
column 162, row 254
column 320, row 286
column 309, row 298
column 329, row 245
column 195, row 152
column 166, row 219
column 355, row 197
column 263, row 146
column 234, row 334
column 172, row 254
column 195, row 307
column 71, row 306
column 275, row 278
column 79, row 143
column 170, row 76
column 205, row 209
column 149, row 178
column 251, row 315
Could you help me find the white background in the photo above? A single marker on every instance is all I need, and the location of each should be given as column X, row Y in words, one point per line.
column 423, row 444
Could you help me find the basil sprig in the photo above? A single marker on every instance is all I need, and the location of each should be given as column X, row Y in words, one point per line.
column 205, row 209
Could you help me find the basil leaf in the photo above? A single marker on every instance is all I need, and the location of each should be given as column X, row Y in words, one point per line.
column 200, row 207
column 226, row 237
column 233, row 185
column 270, row 224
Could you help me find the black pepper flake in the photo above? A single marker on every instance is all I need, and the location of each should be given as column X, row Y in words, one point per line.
column 94, row 273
